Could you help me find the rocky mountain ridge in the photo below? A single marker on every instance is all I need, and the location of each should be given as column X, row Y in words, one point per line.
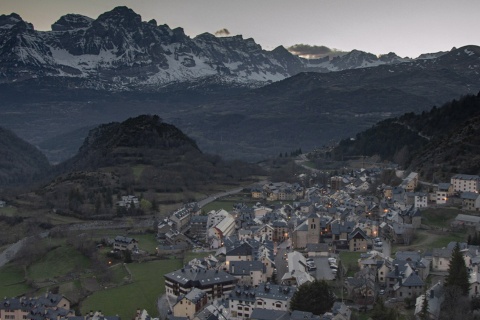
column 118, row 51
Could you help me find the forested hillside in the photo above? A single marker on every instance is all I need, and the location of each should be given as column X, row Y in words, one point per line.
column 437, row 143
column 20, row 162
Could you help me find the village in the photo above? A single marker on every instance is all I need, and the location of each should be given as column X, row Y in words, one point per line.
column 257, row 256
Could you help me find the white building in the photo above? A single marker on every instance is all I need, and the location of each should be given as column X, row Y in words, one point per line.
column 465, row 183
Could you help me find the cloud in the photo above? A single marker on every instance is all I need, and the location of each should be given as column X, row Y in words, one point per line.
column 222, row 32
column 314, row 52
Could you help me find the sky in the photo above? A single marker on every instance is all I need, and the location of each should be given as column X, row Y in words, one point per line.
column 406, row 27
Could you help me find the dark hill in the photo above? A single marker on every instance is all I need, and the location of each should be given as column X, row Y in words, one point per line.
column 142, row 156
column 437, row 143
column 20, row 162
column 142, row 140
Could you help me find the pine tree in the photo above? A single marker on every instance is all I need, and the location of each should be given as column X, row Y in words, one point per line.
column 423, row 315
column 457, row 271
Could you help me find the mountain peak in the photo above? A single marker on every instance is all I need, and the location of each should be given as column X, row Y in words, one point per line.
column 121, row 14
column 13, row 19
column 71, row 22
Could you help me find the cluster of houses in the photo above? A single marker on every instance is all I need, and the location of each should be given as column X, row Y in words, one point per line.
column 263, row 252
column 48, row 306
column 243, row 279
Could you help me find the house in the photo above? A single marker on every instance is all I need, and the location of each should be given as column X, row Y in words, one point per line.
column 465, row 220
column 361, row 290
column 239, row 252
column 357, row 241
column 410, row 182
column 297, row 273
column 2, row 204
column 465, row 183
column 198, row 228
column 189, row 304
column 280, row 230
column 243, row 299
column 470, row 201
column 435, row 296
column 220, row 224
column 181, row 218
column 215, row 283
column 444, row 191
column 128, row 202
column 408, row 286
column 318, row 249
column 47, row 306
column 441, row 259
column 125, row 243
column 420, row 199
column 341, row 311
column 250, row 273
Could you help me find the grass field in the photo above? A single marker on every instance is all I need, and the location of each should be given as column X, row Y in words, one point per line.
column 58, row 262
column 147, row 242
column 8, row 211
column 439, row 217
column 12, row 282
column 148, row 285
column 349, row 261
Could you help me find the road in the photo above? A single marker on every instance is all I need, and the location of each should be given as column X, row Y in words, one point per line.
column 214, row 197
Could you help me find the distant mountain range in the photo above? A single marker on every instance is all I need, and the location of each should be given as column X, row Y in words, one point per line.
column 119, row 51
column 226, row 93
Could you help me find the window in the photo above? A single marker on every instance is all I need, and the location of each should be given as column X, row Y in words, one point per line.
column 240, row 308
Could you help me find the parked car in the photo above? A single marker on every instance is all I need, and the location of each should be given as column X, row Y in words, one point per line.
column 332, row 260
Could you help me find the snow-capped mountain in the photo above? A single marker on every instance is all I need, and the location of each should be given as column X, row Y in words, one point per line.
column 120, row 51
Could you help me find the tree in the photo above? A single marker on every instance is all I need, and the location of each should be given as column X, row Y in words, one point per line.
column 457, row 272
column 382, row 312
column 423, row 315
column 316, row 297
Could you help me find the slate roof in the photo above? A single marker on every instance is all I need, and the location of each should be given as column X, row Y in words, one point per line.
column 241, row 268
column 266, row 314
column 195, row 295
column 444, row 186
column 408, row 255
column 199, row 278
column 356, row 232
column 303, row 315
column 243, row 249
column 469, row 195
column 123, row 239
column 338, row 227
column 413, row 281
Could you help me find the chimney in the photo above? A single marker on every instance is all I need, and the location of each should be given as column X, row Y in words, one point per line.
column 432, row 294
column 396, row 269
